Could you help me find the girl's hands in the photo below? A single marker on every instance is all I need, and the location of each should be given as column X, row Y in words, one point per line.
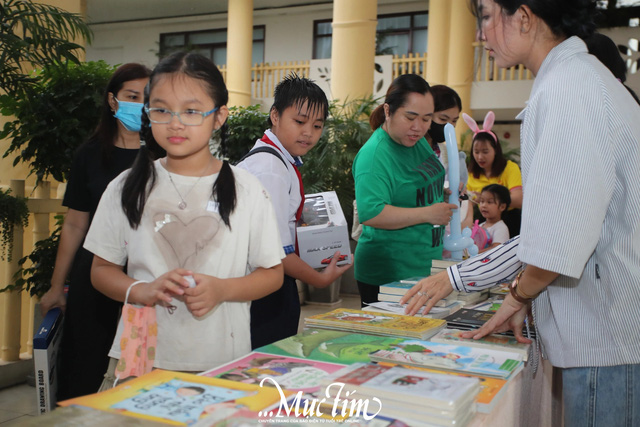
column 161, row 290
column 440, row 213
column 207, row 293
column 510, row 316
column 428, row 291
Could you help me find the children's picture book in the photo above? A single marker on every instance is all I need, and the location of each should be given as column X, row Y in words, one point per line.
column 327, row 345
column 472, row 360
column 491, row 389
column 489, row 305
column 179, row 399
column 469, row 319
column 496, row 342
column 292, row 373
column 377, row 323
column 446, row 396
column 395, row 307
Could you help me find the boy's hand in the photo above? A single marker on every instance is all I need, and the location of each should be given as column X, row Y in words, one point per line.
column 333, row 271
column 205, row 295
column 162, row 289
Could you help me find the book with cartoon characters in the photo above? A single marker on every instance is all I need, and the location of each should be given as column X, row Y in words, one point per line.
column 408, row 394
column 292, row 373
column 472, row 360
column 180, row 399
column 494, row 342
column 328, row 345
column 377, row 323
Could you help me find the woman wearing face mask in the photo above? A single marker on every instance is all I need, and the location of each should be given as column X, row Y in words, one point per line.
column 399, row 186
column 447, row 106
column 90, row 317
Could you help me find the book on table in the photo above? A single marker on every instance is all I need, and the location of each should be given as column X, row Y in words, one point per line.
column 458, row 358
column 328, row 345
column 179, row 398
column 292, row 373
column 494, row 341
column 394, row 307
column 413, row 396
column 469, row 319
column 376, row 323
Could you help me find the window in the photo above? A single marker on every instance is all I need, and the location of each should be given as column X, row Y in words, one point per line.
column 395, row 35
column 210, row 43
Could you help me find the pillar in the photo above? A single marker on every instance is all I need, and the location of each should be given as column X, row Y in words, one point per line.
column 353, row 48
column 10, row 301
column 440, row 28
column 239, row 48
column 460, row 66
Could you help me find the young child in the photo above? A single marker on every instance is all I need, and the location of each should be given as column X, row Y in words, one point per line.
column 180, row 212
column 494, row 200
column 296, row 120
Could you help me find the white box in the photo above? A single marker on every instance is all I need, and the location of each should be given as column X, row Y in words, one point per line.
column 323, row 230
column 46, row 343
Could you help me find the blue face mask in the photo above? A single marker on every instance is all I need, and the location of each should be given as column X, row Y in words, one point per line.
column 129, row 114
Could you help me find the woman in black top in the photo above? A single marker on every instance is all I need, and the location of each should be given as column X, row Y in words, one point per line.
column 90, row 317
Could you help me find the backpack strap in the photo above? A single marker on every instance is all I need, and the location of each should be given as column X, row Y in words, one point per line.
column 264, row 149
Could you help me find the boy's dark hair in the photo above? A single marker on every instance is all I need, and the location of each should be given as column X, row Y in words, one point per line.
column 500, row 192
column 142, row 176
column 295, row 91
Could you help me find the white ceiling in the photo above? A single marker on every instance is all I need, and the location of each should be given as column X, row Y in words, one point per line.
column 107, row 11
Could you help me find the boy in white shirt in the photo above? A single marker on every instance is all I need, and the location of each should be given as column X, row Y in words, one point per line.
column 494, row 199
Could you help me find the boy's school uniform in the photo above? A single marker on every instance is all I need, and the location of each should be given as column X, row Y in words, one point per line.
column 499, row 232
column 196, row 239
column 281, row 181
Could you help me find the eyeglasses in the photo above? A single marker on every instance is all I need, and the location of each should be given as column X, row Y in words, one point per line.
column 187, row 118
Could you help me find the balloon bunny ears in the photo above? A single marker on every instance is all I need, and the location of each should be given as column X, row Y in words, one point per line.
column 489, row 119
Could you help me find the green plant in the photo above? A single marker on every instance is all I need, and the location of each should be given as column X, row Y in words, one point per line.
column 37, row 278
column 35, row 34
column 13, row 211
column 54, row 116
column 328, row 166
column 246, row 125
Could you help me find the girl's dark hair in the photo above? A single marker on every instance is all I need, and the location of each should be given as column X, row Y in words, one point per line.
column 500, row 192
column 444, row 98
column 499, row 161
column 294, row 90
column 565, row 18
column 142, row 177
column 107, row 130
column 397, row 95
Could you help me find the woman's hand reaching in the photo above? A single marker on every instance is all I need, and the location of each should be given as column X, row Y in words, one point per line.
column 428, row 291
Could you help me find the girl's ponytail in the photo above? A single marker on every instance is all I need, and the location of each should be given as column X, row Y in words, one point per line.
column 224, row 192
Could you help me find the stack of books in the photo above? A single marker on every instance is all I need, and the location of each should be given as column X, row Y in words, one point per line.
column 438, row 265
column 394, row 291
column 418, row 398
column 434, row 313
column 469, row 319
column 456, row 358
column 377, row 323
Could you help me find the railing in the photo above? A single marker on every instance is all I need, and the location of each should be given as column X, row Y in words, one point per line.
column 265, row 76
column 17, row 308
column 488, row 71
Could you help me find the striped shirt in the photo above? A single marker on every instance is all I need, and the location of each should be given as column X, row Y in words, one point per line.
column 580, row 142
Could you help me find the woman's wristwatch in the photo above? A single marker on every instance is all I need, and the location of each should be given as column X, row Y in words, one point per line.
column 517, row 293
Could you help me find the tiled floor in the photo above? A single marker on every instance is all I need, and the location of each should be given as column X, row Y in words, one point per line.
column 18, row 403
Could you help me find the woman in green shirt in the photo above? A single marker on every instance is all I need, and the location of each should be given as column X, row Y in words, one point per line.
column 399, row 191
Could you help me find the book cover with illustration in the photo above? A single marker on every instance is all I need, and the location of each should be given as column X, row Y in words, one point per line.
column 491, row 389
column 496, row 342
column 377, row 322
column 442, row 395
column 327, row 345
column 480, row 361
column 179, row 399
column 292, row 373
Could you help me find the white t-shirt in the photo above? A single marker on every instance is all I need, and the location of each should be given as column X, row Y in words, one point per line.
column 499, row 231
column 196, row 239
column 281, row 181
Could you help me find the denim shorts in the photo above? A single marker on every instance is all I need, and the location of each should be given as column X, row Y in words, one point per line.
column 601, row 396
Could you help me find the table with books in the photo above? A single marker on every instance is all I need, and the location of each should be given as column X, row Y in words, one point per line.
column 345, row 366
